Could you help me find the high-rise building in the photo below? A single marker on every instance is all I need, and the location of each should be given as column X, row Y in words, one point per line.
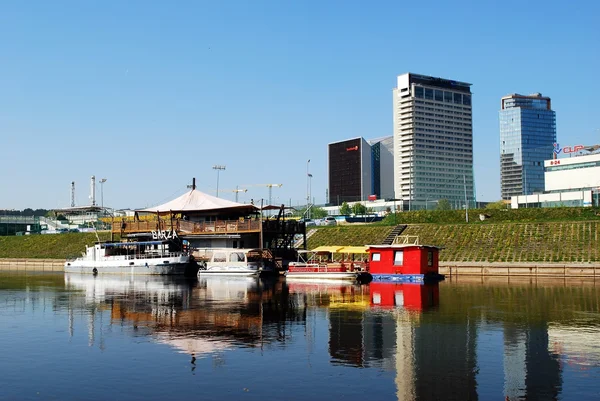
column 350, row 171
column 433, row 141
column 360, row 170
column 527, row 137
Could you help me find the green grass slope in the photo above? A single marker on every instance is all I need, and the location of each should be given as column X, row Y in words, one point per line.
column 347, row 235
column 55, row 246
column 513, row 242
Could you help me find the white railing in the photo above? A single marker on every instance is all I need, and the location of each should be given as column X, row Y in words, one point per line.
column 406, row 239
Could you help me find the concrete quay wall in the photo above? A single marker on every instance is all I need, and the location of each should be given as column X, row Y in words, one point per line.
column 539, row 269
column 447, row 268
column 55, row 265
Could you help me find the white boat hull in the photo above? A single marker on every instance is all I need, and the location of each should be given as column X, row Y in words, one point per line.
column 155, row 266
column 228, row 271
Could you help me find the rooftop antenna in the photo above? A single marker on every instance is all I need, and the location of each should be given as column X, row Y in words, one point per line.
column 72, row 193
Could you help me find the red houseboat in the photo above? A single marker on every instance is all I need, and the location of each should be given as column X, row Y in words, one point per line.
column 404, row 262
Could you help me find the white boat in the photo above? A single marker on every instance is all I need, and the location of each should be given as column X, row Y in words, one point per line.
column 135, row 257
column 231, row 261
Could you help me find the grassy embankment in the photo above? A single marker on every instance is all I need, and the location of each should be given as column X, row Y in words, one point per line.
column 525, row 235
column 56, row 246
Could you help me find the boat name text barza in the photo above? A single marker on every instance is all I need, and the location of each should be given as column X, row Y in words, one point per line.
column 164, row 234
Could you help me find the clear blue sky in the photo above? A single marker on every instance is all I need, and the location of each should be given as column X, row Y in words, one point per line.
column 149, row 94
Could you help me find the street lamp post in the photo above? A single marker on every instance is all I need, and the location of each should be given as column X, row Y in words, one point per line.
column 308, row 175
column 218, row 168
column 309, row 190
column 102, row 181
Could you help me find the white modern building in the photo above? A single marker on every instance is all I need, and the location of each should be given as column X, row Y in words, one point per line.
column 433, row 141
column 569, row 181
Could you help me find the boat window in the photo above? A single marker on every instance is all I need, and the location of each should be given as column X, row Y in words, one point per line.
column 219, row 257
column 430, row 258
column 398, row 258
column 236, row 257
column 375, row 256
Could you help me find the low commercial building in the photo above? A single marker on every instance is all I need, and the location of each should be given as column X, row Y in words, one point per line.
column 569, row 181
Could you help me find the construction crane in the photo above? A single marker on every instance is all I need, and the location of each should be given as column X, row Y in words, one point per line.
column 270, row 186
column 236, row 191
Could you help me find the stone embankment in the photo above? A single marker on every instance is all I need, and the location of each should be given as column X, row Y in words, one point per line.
column 50, row 265
column 589, row 270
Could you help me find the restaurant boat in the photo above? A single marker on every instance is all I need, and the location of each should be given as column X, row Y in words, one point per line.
column 318, row 264
column 232, row 261
column 164, row 256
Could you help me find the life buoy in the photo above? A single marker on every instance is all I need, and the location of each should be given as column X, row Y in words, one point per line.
column 94, row 271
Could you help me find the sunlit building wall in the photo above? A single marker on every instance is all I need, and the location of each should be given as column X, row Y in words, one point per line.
column 527, row 137
column 433, row 140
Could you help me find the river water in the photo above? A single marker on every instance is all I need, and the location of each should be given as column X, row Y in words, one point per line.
column 159, row 338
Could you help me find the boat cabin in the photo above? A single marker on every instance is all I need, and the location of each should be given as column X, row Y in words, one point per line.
column 404, row 262
column 134, row 249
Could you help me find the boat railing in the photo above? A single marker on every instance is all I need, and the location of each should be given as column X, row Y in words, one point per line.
column 406, row 239
column 186, row 226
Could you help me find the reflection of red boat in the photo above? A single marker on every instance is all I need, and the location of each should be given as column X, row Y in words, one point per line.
column 411, row 296
column 404, row 262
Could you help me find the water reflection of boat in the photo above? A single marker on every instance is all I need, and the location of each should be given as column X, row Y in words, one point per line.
column 102, row 288
column 229, row 288
column 409, row 296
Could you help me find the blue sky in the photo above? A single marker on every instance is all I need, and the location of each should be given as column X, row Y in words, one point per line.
column 150, row 94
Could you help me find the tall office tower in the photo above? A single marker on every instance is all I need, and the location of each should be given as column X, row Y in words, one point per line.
column 527, row 137
column 382, row 163
column 433, row 141
column 350, row 171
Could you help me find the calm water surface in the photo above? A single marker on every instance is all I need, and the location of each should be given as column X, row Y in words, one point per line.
column 97, row 338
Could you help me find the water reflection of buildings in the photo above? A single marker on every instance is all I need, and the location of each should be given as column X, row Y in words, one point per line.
column 195, row 317
column 383, row 325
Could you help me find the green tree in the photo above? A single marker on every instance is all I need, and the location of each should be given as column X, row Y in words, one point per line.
column 317, row 212
column 443, row 204
column 345, row 209
column 359, row 208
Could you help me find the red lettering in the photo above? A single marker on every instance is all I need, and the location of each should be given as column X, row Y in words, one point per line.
column 573, row 149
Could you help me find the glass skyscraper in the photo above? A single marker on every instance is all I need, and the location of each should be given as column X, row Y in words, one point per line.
column 527, row 137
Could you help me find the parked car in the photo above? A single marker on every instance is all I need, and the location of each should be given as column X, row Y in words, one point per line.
column 329, row 221
column 308, row 222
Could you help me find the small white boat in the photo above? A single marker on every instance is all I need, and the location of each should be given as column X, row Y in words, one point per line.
column 135, row 257
column 231, row 261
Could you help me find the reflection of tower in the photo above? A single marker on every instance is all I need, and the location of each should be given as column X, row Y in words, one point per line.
column 346, row 336
column 514, row 363
column 446, row 360
column 543, row 379
column 531, row 371
column 405, row 357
